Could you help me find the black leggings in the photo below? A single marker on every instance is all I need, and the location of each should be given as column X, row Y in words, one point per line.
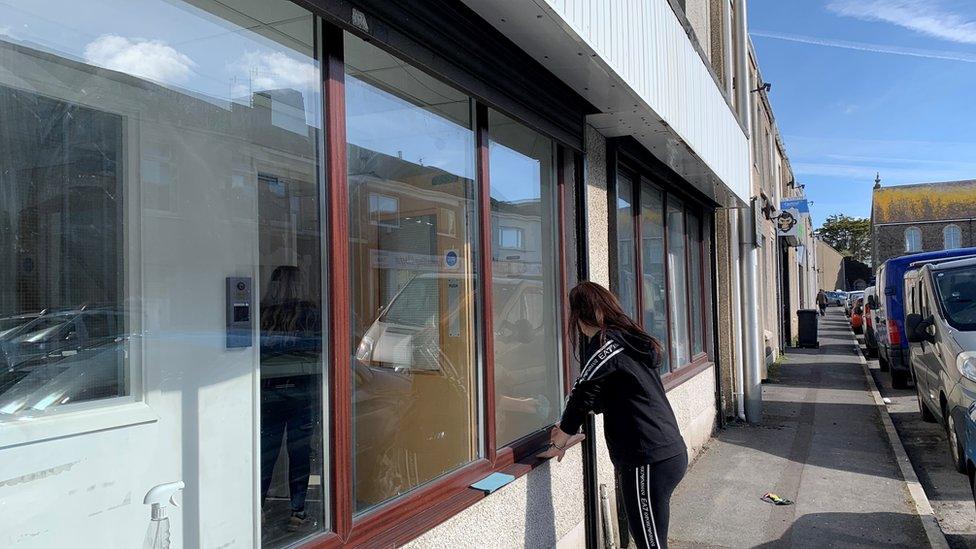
column 646, row 492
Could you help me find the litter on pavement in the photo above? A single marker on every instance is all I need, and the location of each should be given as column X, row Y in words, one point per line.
column 775, row 500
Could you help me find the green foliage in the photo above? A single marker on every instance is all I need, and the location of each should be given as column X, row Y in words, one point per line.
column 851, row 236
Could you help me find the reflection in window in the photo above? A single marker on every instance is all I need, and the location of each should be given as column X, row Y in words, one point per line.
column 696, row 284
column 411, row 165
column 655, row 310
column 678, row 271
column 62, row 327
column 626, row 269
column 951, row 237
column 913, row 239
column 524, row 281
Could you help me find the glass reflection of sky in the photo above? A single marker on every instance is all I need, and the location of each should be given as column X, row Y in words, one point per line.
column 175, row 44
column 380, row 121
column 515, row 177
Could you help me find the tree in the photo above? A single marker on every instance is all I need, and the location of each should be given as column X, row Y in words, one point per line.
column 851, row 236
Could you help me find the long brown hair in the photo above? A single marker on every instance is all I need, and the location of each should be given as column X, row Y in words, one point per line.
column 594, row 305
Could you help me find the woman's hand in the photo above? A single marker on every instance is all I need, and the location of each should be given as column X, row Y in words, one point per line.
column 558, row 442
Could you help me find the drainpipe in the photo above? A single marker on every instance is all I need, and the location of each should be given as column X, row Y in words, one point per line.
column 734, row 270
column 751, row 341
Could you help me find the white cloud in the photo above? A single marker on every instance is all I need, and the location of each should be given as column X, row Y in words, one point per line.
column 923, row 16
column 864, row 46
column 150, row 59
column 272, row 70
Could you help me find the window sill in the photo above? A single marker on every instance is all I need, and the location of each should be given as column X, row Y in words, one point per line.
column 32, row 429
column 678, row 377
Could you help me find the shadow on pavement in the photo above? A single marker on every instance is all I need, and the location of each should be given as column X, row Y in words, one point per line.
column 847, row 530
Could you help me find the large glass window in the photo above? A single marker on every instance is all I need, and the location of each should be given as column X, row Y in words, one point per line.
column 525, row 282
column 412, row 217
column 671, row 258
column 678, row 278
column 654, row 279
column 159, row 229
column 626, row 269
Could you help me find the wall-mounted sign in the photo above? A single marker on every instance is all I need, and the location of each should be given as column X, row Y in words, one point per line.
column 791, row 223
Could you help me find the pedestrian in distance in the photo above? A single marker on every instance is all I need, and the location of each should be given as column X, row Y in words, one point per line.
column 620, row 379
column 822, row 302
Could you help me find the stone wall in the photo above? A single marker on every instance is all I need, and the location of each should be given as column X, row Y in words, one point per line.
column 889, row 240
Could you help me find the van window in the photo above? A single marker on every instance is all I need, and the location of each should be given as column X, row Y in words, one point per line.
column 956, row 291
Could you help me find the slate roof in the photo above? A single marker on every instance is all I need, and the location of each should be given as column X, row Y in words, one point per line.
column 924, row 202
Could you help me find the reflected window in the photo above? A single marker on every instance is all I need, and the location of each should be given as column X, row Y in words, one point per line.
column 654, row 279
column 411, row 167
column 696, row 284
column 524, row 286
column 63, row 336
column 626, row 268
column 678, row 277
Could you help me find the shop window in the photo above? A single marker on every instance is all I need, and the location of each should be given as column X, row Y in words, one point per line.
column 524, row 286
column 951, row 237
column 913, row 239
column 411, row 156
column 654, row 279
column 672, row 261
column 626, row 269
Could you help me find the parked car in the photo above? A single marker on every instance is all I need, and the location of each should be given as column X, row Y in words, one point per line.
column 893, row 350
column 836, row 298
column 870, row 321
column 849, row 302
column 940, row 323
column 857, row 318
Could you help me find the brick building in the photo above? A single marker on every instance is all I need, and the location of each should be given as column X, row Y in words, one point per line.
column 921, row 218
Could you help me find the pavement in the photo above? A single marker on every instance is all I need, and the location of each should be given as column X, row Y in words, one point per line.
column 822, row 443
column 925, row 443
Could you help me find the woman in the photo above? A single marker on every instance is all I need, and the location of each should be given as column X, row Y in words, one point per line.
column 620, row 380
column 290, row 335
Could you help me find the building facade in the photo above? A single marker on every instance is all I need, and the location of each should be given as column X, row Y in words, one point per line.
column 830, row 268
column 921, row 218
column 309, row 260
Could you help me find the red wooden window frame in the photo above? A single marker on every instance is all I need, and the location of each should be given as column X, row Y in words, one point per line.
column 700, row 361
column 406, row 517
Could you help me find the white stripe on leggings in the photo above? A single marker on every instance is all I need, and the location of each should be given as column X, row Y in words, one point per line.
column 657, row 542
column 640, row 507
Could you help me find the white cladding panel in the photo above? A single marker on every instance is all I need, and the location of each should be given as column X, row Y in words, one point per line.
column 599, row 47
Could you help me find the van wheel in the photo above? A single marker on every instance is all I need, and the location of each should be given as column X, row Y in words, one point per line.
column 927, row 415
column 899, row 380
column 956, row 453
column 883, row 363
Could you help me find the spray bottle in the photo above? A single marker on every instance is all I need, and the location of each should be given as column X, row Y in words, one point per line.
column 157, row 535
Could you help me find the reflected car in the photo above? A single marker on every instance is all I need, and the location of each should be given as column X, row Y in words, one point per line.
column 940, row 324
column 836, row 299
column 57, row 331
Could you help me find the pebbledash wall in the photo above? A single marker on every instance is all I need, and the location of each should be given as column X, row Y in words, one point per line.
column 194, row 412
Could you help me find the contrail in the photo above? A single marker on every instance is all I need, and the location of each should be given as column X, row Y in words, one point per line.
column 863, row 46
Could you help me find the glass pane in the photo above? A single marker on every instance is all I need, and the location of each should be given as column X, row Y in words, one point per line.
column 528, row 389
column 153, row 156
column 412, row 218
column 655, row 313
column 570, row 242
column 677, row 247
column 626, row 265
column 695, row 283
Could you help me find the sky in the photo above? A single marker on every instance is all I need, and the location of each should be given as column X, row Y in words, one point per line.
column 867, row 86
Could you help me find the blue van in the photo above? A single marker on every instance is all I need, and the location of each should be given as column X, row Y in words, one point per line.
column 889, row 329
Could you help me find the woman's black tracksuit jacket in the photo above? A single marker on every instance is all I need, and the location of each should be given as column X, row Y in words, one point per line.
column 620, row 380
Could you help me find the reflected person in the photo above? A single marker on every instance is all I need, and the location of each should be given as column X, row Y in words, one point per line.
column 290, row 348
